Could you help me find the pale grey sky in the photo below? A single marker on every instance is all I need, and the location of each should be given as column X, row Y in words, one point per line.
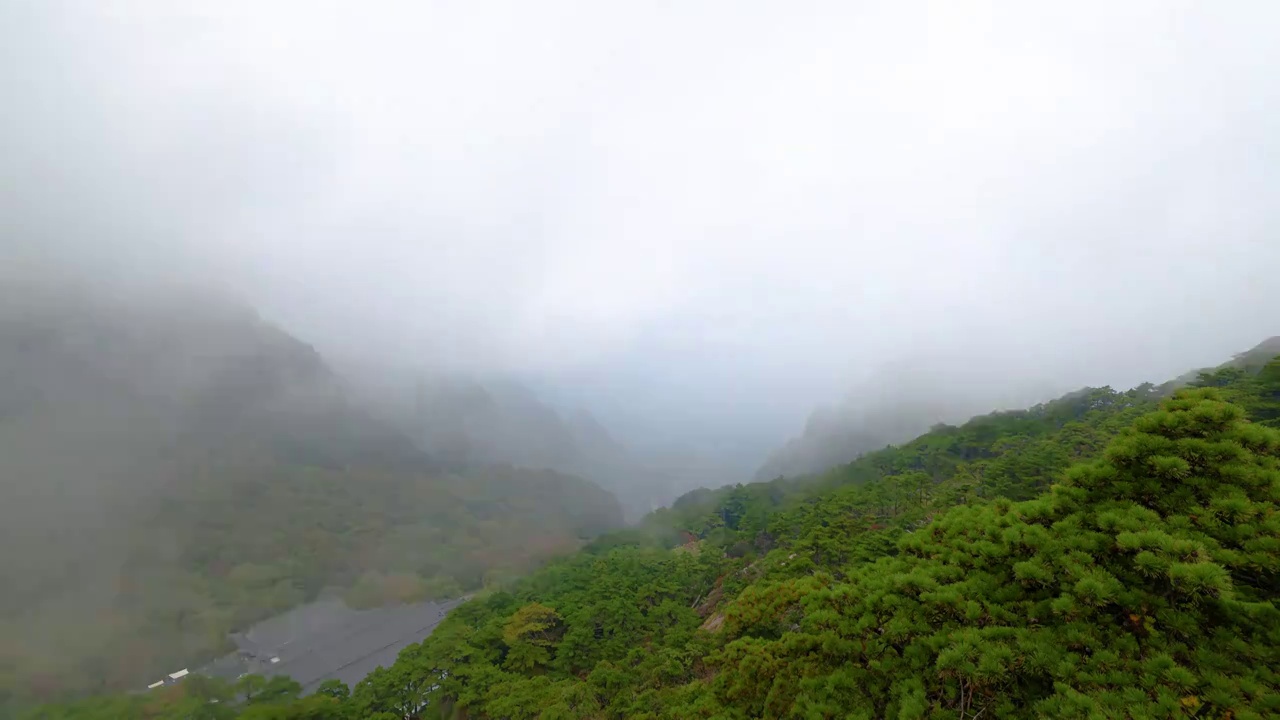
column 721, row 210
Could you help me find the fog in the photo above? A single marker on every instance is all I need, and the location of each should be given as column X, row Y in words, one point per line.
column 698, row 220
column 506, row 276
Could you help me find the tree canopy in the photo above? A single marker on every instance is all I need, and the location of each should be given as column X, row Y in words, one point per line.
column 1108, row 554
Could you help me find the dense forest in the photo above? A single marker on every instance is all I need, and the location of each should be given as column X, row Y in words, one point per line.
column 176, row 471
column 1106, row 554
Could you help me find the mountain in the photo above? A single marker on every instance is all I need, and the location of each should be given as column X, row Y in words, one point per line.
column 464, row 421
column 899, row 402
column 175, row 467
column 1255, row 358
column 837, row 434
column 1103, row 550
column 1103, row 553
column 904, row 400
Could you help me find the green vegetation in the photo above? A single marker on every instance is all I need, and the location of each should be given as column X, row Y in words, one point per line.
column 252, row 539
column 1108, row 554
column 171, row 480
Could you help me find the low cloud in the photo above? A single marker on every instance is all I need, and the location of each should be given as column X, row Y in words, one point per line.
column 719, row 209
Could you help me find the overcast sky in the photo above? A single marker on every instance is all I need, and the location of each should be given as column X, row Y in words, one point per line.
column 721, row 209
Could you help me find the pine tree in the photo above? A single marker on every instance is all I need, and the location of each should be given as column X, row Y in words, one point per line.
column 1140, row 586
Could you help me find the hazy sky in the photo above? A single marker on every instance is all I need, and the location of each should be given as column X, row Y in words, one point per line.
column 724, row 210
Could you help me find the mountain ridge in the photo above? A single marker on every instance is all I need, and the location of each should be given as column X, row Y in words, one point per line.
column 178, row 469
column 1105, row 549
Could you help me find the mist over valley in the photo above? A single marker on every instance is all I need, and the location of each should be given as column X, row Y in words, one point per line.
column 497, row 360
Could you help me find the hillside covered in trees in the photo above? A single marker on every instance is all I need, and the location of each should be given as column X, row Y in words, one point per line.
column 177, row 468
column 1107, row 554
column 898, row 402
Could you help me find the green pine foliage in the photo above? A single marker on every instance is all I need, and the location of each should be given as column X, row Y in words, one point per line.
column 1109, row 554
column 1140, row 586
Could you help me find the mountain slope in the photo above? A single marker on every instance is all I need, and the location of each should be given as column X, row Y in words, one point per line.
column 1138, row 574
column 905, row 584
column 899, row 402
column 176, row 468
column 463, row 422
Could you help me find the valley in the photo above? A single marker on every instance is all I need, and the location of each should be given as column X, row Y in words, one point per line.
column 566, row 360
column 955, row 547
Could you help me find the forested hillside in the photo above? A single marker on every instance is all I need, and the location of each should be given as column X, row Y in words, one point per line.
column 897, row 403
column 1108, row 554
column 176, row 468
